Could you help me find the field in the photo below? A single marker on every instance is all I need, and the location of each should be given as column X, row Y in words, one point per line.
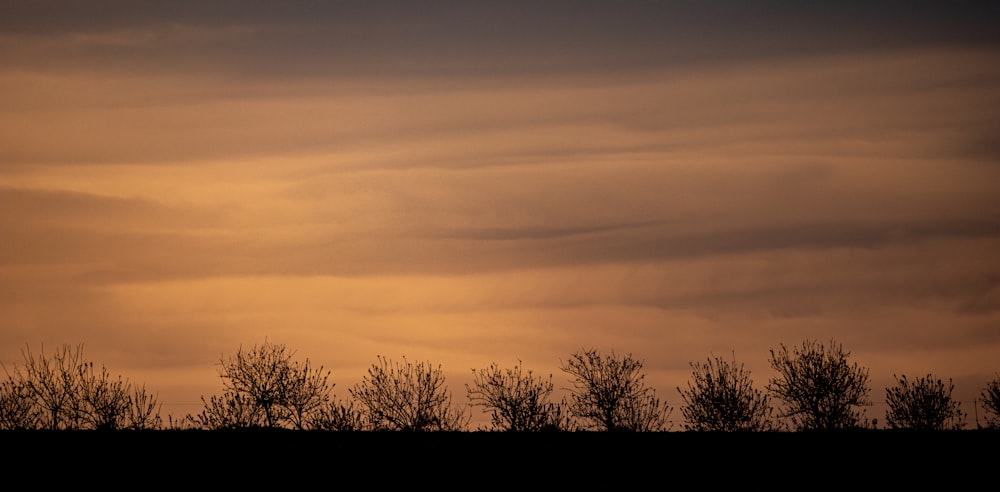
column 289, row 460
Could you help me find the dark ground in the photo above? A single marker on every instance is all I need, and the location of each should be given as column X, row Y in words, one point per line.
column 291, row 460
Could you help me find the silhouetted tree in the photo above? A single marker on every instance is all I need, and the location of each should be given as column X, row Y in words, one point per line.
column 337, row 416
column 519, row 401
column 64, row 392
column 991, row 402
column 609, row 394
column 107, row 403
column 227, row 411
column 721, row 397
column 17, row 406
column 924, row 404
column 265, row 387
column 408, row 396
column 54, row 383
column 307, row 393
column 143, row 410
column 821, row 391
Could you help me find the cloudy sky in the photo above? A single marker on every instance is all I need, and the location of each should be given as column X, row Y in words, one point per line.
column 468, row 183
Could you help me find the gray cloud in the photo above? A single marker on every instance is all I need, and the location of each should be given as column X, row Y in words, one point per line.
column 50, row 206
column 913, row 104
column 630, row 242
column 487, row 38
column 534, row 233
column 151, row 256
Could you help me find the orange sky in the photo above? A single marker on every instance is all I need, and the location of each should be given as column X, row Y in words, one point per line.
column 473, row 184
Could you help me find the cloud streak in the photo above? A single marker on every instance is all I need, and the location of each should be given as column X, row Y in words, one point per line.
column 460, row 38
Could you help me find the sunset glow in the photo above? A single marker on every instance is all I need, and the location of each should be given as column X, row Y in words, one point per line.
column 468, row 183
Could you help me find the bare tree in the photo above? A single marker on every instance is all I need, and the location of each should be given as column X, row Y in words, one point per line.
column 65, row 392
column 264, row 387
column 924, row 404
column 991, row 402
column 408, row 396
column 143, row 410
column 229, row 410
column 17, row 406
column 337, row 416
column 519, row 401
column 54, row 383
column 307, row 391
column 821, row 391
column 102, row 400
column 721, row 397
column 609, row 394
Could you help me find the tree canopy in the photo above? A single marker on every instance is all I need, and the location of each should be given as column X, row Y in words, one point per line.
column 609, row 393
column 923, row 404
column 820, row 389
column 518, row 400
column 720, row 397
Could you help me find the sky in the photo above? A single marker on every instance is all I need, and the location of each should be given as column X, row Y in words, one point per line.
column 468, row 183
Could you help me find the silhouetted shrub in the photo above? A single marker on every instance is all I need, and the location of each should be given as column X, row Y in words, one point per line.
column 18, row 408
column 64, row 392
column 721, row 397
column 264, row 387
column 609, row 394
column 821, row 391
column 991, row 402
column 408, row 396
column 923, row 404
column 519, row 401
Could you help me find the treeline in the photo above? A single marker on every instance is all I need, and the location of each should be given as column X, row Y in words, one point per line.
column 815, row 387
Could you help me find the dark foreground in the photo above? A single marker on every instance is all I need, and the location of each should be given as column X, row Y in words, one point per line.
column 292, row 460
